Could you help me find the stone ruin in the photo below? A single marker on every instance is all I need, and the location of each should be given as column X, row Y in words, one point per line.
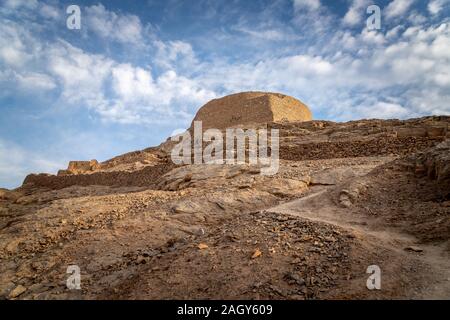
column 252, row 108
column 315, row 140
column 80, row 167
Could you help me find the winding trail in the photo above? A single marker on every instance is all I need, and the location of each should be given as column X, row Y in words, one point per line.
column 318, row 206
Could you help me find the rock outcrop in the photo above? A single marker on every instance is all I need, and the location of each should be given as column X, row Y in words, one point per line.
column 434, row 162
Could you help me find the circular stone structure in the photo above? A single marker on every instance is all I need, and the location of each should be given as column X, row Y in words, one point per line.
column 252, row 108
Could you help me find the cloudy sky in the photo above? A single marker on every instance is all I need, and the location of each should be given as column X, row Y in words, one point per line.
column 137, row 70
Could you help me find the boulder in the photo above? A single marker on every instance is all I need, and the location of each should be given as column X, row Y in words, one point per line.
column 351, row 192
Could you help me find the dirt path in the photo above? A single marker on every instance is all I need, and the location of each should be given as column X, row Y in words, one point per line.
column 318, row 206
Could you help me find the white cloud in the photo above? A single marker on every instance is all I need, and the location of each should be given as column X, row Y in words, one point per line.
column 344, row 85
column 122, row 92
column 36, row 81
column 174, row 53
column 397, row 8
column 312, row 19
column 124, row 28
column 394, row 32
column 80, row 75
column 352, row 71
column 16, row 162
column 13, row 56
column 49, row 11
column 16, row 4
column 416, row 18
column 136, row 85
column 423, row 98
column 118, row 92
column 372, row 37
column 356, row 12
column 384, row 110
column 306, row 4
column 267, row 34
column 15, row 44
column 436, row 6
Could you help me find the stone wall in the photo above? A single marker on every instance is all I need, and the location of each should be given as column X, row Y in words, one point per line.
column 147, row 177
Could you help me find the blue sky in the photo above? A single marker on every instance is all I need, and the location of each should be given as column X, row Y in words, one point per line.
column 138, row 70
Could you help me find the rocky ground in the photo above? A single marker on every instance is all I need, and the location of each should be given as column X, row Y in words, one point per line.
column 347, row 196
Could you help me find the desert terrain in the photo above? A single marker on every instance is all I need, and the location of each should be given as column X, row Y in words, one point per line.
column 346, row 196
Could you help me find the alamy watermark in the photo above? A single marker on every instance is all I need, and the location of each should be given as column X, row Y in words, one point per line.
column 74, row 280
column 190, row 149
column 73, row 21
column 374, row 280
column 374, row 20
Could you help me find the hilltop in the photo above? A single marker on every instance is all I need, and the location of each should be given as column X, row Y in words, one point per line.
column 346, row 196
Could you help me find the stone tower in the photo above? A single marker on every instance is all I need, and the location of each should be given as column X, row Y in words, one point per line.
column 251, row 108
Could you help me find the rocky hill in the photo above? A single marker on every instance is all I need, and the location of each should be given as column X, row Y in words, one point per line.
column 346, row 196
